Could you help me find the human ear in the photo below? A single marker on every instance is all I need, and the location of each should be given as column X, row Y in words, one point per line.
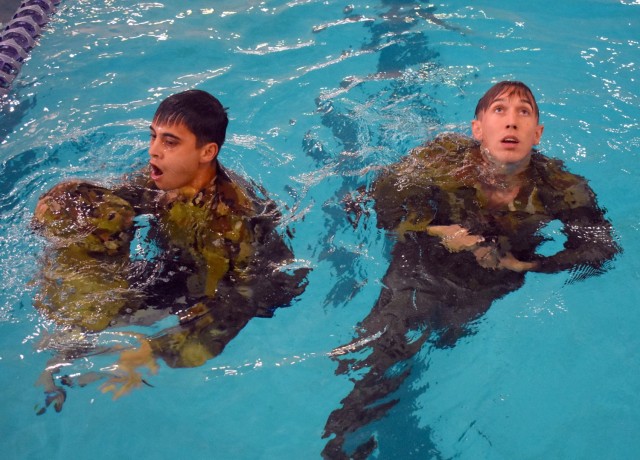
column 538, row 134
column 209, row 152
column 476, row 130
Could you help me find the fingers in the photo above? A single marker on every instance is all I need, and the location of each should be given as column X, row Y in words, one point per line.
column 127, row 377
column 490, row 257
column 122, row 385
column 454, row 237
column 487, row 257
column 509, row 262
column 57, row 397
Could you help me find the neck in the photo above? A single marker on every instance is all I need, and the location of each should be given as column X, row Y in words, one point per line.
column 501, row 170
column 202, row 180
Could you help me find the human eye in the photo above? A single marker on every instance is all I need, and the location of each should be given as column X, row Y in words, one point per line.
column 170, row 142
column 525, row 111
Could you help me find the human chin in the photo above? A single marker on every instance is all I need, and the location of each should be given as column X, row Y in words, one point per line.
column 506, row 161
column 164, row 182
column 509, row 154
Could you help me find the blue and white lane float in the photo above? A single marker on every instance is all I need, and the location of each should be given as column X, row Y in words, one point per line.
column 19, row 36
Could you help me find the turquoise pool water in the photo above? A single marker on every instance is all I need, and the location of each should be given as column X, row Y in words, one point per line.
column 322, row 93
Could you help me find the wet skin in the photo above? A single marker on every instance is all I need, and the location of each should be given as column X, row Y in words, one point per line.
column 507, row 131
column 176, row 160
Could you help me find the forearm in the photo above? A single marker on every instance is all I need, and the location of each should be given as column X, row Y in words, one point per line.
column 570, row 258
column 589, row 243
column 80, row 291
column 203, row 332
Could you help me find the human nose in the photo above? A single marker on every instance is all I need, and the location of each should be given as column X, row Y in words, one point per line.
column 512, row 119
column 154, row 148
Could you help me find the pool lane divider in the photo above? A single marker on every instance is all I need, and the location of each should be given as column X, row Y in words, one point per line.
column 19, row 35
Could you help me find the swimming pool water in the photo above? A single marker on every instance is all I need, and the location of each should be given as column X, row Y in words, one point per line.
column 321, row 94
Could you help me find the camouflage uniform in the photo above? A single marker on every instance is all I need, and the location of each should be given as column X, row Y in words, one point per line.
column 218, row 261
column 432, row 293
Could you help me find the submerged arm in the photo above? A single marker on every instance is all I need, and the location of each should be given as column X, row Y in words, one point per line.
column 204, row 330
column 83, row 273
column 590, row 242
column 402, row 203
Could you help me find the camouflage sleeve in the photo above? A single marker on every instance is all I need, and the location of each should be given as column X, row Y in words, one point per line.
column 82, row 280
column 204, row 330
column 138, row 190
column 407, row 193
column 80, row 291
column 206, row 327
column 273, row 280
column 590, row 243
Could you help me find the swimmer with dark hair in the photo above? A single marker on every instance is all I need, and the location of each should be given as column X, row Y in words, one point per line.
column 216, row 258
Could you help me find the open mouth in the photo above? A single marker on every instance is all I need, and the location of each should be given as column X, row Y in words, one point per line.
column 510, row 140
column 155, row 171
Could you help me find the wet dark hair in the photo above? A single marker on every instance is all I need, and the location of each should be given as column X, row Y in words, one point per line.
column 199, row 111
column 509, row 88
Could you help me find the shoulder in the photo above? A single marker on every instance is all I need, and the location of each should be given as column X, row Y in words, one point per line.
column 233, row 190
column 446, row 150
column 454, row 143
column 439, row 164
column 138, row 189
column 442, row 159
column 243, row 196
column 554, row 172
column 555, row 177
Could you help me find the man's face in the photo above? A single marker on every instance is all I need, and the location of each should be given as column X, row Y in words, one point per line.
column 175, row 161
column 508, row 128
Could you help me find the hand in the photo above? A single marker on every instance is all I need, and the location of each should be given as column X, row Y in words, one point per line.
column 127, row 376
column 509, row 262
column 53, row 394
column 489, row 257
column 454, row 237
